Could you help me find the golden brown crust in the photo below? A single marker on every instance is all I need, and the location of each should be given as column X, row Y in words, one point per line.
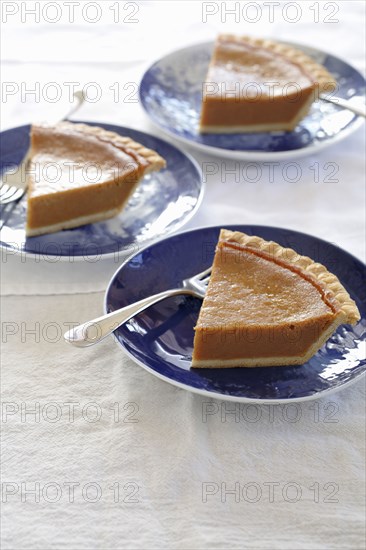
column 319, row 74
column 69, row 224
column 154, row 160
column 335, row 290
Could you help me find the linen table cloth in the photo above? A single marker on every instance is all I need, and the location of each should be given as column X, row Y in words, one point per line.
column 97, row 452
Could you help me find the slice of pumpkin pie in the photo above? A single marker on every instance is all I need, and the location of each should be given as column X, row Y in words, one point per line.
column 81, row 174
column 259, row 85
column 266, row 305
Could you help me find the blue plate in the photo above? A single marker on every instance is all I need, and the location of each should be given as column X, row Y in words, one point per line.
column 171, row 92
column 162, row 202
column 160, row 339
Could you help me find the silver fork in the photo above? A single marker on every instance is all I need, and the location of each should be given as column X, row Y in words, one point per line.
column 350, row 104
column 94, row 331
column 10, row 193
column 12, row 187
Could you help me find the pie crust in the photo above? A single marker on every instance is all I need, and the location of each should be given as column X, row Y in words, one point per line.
column 267, row 305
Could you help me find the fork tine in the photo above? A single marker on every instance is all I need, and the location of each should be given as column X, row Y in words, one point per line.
column 8, row 193
column 204, row 274
column 205, row 280
column 15, row 195
column 6, row 211
column 4, row 189
column 6, row 196
column 18, row 194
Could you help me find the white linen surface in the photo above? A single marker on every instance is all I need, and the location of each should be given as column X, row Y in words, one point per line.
column 296, row 473
column 181, row 447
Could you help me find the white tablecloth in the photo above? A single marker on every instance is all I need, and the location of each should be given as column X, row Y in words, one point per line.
column 112, row 457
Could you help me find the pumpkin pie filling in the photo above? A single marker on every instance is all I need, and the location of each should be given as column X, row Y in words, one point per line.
column 263, row 307
column 81, row 174
column 256, row 85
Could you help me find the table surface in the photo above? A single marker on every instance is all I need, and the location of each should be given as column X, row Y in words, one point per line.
column 98, row 453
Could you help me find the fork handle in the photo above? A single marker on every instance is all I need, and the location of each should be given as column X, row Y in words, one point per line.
column 94, row 331
column 346, row 104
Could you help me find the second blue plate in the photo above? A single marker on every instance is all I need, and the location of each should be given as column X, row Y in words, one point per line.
column 171, row 94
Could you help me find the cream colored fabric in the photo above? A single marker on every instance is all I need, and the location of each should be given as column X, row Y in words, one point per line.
column 299, row 470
